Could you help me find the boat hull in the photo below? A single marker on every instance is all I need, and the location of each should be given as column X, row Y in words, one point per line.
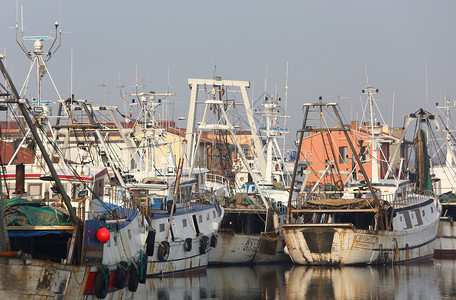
column 40, row 279
column 277, row 255
column 192, row 236
column 445, row 245
column 342, row 244
column 235, row 248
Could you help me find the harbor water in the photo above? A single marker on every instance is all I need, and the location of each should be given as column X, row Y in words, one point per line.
column 434, row 280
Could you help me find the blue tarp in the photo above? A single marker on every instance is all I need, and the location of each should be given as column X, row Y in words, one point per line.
column 32, row 233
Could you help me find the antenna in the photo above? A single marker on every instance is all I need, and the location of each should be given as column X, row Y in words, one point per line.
column 367, row 78
column 392, row 112
column 38, row 56
column 71, row 75
column 265, row 82
column 427, row 99
column 286, row 103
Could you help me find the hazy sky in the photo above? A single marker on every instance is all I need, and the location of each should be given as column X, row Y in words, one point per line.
column 327, row 45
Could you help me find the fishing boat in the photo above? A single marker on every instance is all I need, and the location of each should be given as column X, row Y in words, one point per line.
column 365, row 222
column 64, row 233
column 443, row 171
column 250, row 227
column 181, row 214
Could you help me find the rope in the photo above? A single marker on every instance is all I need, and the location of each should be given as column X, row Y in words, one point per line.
column 268, row 238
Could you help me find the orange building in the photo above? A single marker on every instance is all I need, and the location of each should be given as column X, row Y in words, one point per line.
column 333, row 162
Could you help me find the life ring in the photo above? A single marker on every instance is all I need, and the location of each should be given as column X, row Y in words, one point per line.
column 188, row 244
column 133, row 279
column 102, row 281
column 169, row 206
column 339, row 185
column 204, row 241
column 213, row 241
column 142, row 263
column 163, row 251
column 121, row 275
column 150, row 243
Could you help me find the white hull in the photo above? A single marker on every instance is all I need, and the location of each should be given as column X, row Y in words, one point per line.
column 445, row 244
column 342, row 244
column 235, row 248
column 196, row 225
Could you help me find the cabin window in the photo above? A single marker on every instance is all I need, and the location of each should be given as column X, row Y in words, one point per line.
column 129, row 234
column 99, row 188
column 423, row 212
column 207, row 217
column 184, row 222
column 34, row 189
column 213, row 214
column 432, row 210
column 200, row 218
column 185, row 193
column 400, row 218
column 343, row 155
column 162, row 227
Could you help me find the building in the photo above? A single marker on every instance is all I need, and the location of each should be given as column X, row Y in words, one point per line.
column 334, row 163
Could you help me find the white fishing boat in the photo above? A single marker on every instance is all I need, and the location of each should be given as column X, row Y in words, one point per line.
column 370, row 222
column 444, row 173
column 182, row 216
column 250, row 227
column 64, row 233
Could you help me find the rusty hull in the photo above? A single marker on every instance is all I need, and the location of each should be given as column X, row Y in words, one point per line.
column 342, row 244
column 235, row 248
column 39, row 279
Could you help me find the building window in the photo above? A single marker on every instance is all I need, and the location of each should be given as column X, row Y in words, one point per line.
column 34, row 189
column 343, row 155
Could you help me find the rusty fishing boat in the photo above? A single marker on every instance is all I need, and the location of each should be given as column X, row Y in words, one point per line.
column 380, row 221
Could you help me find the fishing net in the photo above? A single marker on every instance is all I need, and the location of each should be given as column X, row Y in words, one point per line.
column 22, row 212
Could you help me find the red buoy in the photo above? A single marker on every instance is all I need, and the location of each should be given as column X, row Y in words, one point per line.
column 103, row 235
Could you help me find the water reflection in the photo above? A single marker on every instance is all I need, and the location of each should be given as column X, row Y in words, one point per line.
column 275, row 282
column 386, row 282
column 191, row 287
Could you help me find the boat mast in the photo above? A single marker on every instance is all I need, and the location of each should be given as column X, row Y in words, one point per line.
column 21, row 104
column 370, row 91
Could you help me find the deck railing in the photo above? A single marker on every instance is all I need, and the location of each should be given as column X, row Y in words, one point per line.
column 396, row 199
column 210, row 177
